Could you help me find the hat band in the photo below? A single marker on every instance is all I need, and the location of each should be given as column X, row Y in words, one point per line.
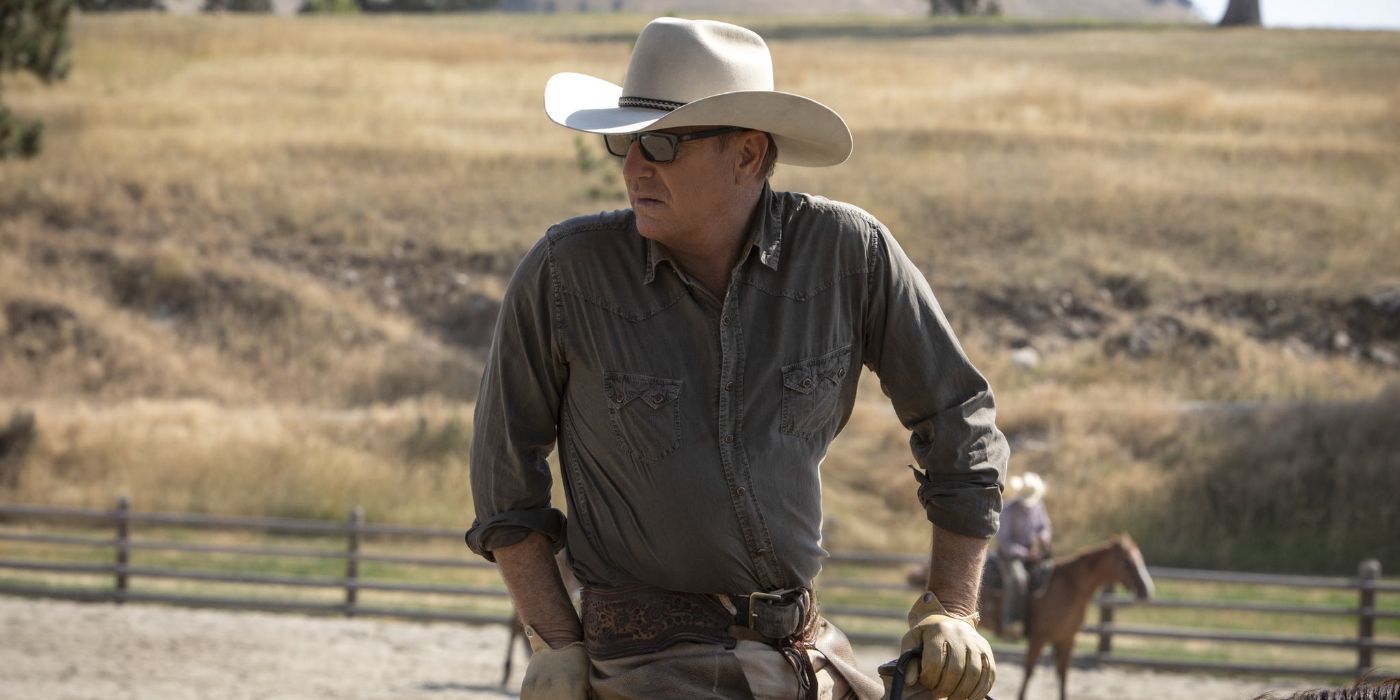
column 648, row 103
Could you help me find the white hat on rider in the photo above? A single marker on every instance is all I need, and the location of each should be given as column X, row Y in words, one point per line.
column 1015, row 488
column 1034, row 488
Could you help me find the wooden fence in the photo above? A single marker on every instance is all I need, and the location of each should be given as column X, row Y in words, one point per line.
column 849, row 575
column 121, row 571
column 1367, row 588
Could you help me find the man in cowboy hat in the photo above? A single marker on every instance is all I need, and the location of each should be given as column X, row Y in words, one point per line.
column 692, row 357
column 1023, row 542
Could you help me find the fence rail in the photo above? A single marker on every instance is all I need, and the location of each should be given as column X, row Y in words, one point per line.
column 119, row 572
column 1367, row 585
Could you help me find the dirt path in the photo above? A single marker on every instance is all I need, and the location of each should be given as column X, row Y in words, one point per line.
column 55, row 650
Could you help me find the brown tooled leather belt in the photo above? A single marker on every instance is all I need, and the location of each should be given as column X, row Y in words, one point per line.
column 641, row 619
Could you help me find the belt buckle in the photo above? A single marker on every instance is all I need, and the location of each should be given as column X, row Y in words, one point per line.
column 753, row 607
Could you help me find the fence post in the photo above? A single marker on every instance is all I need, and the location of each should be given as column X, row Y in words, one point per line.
column 1369, row 573
column 123, row 546
column 1105, row 621
column 352, row 560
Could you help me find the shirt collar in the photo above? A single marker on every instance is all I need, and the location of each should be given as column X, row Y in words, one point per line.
column 765, row 236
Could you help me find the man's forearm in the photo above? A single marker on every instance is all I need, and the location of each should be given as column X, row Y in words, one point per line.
column 532, row 576
column 955, row 570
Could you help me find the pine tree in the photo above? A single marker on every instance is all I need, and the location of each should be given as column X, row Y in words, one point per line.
column 1241, row 13
column 34, row 38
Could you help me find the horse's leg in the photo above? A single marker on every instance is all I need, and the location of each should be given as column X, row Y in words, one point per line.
column 1064, row 650
column 1033, row 648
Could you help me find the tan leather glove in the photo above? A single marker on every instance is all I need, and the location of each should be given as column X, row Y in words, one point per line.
column 555, row 674
column 957, row 661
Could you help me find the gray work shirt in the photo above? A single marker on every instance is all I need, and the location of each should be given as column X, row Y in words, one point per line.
column 691, row 428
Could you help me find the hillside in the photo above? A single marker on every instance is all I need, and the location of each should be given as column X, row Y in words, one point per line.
column 257, row 266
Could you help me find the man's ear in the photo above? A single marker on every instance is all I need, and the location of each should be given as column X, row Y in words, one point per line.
column 751, row 147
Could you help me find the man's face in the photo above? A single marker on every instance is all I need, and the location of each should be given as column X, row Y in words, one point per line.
column 675, row 201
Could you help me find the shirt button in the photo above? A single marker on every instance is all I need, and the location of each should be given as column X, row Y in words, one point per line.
column 742, row 490
column 807, row 383
column 729, row 386
column 727, row 439
column 724, row 321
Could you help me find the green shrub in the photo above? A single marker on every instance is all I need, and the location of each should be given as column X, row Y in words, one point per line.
column 33, row 38
column 238, row 6
column 330, row 6
column 117, row 5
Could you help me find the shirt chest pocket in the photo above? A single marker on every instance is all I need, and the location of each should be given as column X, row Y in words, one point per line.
column 812, row 392
column 645, row 414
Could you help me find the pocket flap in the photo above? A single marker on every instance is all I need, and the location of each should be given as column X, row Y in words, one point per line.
column 622, row 388
column 802, row 380
column 804, row 377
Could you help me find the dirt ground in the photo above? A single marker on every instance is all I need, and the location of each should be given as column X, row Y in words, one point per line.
column 56, row 650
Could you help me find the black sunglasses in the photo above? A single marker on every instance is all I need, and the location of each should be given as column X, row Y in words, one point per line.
column 658, row 146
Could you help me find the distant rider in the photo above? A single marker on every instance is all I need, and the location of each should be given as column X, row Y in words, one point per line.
column 1023, row 542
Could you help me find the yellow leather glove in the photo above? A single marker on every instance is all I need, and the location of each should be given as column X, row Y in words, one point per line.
column 956, row 662
column 555, row 674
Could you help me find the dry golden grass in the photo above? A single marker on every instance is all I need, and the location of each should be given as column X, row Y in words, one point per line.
column 1180, row 154
column 273, row 175
column 404, row 463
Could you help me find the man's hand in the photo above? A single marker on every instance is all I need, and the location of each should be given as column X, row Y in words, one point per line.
column 555, row 674
column 956, row 662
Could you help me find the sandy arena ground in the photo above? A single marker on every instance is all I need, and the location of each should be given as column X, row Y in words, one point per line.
column 55, row 650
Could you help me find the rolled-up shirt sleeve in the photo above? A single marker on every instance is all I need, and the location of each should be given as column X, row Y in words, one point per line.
column 937, row 394
column 515, row 424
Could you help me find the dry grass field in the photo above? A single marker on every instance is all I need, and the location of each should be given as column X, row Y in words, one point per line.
column 256, row 267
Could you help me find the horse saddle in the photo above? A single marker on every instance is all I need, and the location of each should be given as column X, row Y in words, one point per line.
column 1037, row 576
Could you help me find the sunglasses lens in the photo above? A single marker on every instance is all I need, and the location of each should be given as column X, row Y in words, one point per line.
column 618, row 144
column 657, row 147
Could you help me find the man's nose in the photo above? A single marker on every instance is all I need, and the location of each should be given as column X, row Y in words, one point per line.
column 635, row 165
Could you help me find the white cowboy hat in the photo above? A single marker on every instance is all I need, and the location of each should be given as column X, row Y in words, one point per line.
column 1015, row 488
column 1035, row 488
column 700, row 73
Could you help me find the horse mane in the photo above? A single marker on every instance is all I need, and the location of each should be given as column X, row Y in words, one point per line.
column 1114, row 541
column 1388, row 689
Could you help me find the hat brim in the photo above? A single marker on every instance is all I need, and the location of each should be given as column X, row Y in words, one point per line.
column 807, row 132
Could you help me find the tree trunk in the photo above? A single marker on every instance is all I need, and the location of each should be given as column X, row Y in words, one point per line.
column 1242, row 13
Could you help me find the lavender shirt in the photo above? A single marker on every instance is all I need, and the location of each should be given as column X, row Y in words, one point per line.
column 1022, row 525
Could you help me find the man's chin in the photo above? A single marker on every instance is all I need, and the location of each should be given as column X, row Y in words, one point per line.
column 652, row 229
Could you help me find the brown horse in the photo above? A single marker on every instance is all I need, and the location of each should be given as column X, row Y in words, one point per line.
column 1056, row 615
